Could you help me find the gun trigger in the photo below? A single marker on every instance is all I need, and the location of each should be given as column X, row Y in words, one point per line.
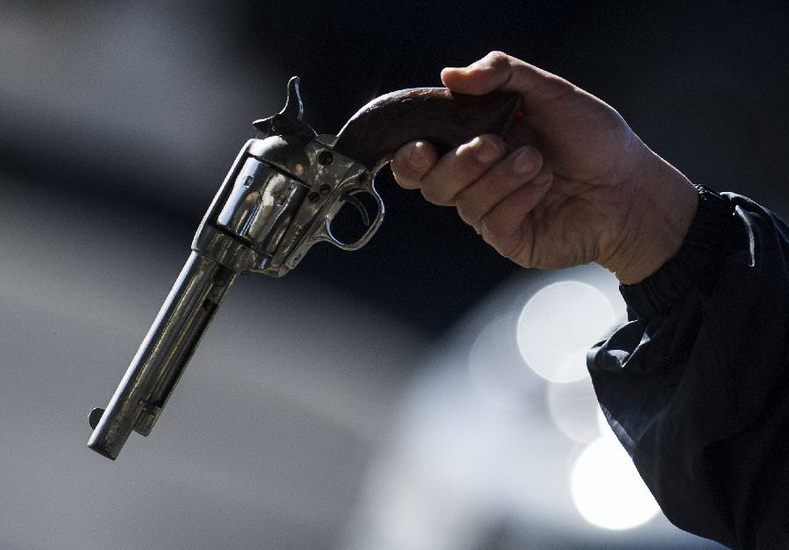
column 349, row 198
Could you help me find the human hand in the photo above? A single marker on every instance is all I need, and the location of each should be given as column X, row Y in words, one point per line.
column 570, row 183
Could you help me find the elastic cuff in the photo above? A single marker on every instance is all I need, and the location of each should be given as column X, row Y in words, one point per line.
column 695, row 265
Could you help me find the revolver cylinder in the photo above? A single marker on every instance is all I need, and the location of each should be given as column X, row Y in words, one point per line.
column 240, row 233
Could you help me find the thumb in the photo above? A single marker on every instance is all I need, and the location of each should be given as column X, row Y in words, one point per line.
column 499, row 71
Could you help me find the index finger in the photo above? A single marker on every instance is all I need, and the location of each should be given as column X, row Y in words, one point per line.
column 411, row 162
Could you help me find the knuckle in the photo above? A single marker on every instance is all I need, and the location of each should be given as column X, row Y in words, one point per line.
column 506, row 237
column 494, row 230
column 489, row 228
column 480, row 152
column 436, row 194
column 497, row 57
column 468, row 211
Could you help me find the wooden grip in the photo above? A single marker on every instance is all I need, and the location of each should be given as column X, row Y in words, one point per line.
column 447, row 120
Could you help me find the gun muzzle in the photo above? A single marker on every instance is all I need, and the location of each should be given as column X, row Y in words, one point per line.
column 162, row 356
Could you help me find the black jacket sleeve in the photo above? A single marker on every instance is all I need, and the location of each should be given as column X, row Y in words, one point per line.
column 696, row 384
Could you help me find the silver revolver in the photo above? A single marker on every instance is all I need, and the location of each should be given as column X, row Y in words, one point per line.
column 279, row 198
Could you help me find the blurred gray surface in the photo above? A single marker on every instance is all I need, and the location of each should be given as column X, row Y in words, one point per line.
column 266, row 439
column 299, row 424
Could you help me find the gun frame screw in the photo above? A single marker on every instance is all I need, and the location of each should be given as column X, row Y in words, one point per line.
column 313, row 197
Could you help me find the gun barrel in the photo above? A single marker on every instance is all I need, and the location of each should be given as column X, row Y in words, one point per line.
column 162, row 356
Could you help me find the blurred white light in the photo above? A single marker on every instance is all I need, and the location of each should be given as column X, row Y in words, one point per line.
column 558, row 324
column 607, row 490
column 574, row 410
column 495, row 367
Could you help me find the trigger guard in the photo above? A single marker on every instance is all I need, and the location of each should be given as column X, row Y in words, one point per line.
column 351, row 199
column 372, row 225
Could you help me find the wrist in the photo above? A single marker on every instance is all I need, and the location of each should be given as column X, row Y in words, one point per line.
column 715, row 233
column 662, row 208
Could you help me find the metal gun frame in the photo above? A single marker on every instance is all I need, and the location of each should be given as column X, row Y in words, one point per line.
column 279, row 199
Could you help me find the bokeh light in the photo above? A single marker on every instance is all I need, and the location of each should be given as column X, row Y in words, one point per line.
column 607, row 490
column 574, row 410
column 558, row 324
column 495, row 367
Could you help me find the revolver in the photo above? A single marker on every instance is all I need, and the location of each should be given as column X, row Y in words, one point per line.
column 279, row 198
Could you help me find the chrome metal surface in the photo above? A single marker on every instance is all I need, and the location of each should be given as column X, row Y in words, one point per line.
column 278, row 199
column 163, row 355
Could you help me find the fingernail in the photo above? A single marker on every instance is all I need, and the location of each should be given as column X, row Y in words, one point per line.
column 418, row 157
column 485, row 150
column 523, row 162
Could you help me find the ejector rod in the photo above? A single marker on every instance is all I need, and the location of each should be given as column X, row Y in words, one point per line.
column 162, row 356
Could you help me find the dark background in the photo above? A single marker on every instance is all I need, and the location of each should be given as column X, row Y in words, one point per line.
column 702, row 83
column 118, row 122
